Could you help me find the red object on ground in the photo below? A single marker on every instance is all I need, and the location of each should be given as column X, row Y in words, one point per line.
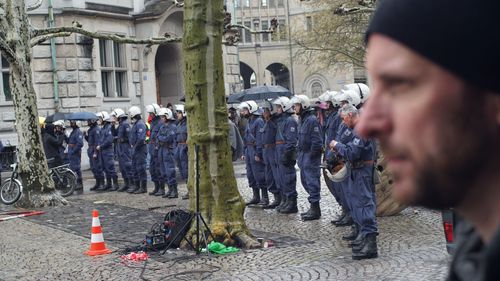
column 20, row 215
column 133, row 256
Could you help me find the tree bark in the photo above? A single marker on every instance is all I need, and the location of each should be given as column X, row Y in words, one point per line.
column 386, row 204
column 38, row 188
column 220, row 201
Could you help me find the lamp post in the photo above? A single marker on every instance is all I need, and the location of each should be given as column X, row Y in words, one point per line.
column 258, row 50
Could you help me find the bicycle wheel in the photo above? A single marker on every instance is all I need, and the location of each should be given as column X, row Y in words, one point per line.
column 10, row 191
column 65, row 182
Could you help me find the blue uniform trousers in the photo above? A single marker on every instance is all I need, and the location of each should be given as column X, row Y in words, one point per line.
column 125, row 160
column 181, row 155
column 108, row 162
column 363, row 202
column 167, row 165
column 255, row 170
column 95, row 163
column 154, row 166
column 310, row 174
column 271, row 169
column 287, row 176
column 75, row 161
column 139, row 163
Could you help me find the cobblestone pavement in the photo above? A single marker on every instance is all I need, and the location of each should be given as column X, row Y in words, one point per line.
column 51, row 246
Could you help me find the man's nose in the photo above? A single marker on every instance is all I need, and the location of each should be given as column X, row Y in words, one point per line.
column 374, row 118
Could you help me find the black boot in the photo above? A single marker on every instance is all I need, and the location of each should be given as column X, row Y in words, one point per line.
column 96, row 185
column 290, row 207
column 357, row 243
column 143, row 187
column 79, row 184
column 157, row 186
column 343, row 213
column 351, row 236
column 283, row 203
column 314, row 212
column 115, row 185
column 174, row 193
column 107, row 186
column 125, row 187
column 368, row 250
column 161, row 189
column 166, row 195
column 346, row 221
column 256, row 197
column 276, row 202
column 264, row 198
column 134, row 186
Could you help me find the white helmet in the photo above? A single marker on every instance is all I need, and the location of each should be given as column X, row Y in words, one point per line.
column 180, row 107
column 351, row 97
column 326, row 96
column 270, row 106
column 104, row 116
column 153, row 108
column 332, row 97
column 59, row 123
column 163, row 111
column 283, row 102
column 361, row 89
column 134, row 111
column 251, row 105
column 338, row 176
column 118, row 112
column 169, row 114
column 302, row 100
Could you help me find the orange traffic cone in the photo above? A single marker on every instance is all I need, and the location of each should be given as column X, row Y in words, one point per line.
column 97, row 245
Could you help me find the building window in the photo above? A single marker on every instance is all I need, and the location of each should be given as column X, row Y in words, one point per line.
column 113, row 69
column 248, row 34
column 246, row 3
column 280, row 3
column 281, row 34
column 316, row 89
column 263, row 3
column 309, row 23
column 265, row 26
column 5, row 67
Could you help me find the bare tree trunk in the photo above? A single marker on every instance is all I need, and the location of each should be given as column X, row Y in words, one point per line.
column 220, row 202
column 39, row 188
column 386, row 204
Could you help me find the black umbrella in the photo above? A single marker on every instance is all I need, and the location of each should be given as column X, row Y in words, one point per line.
column 259, row 93
column 56, row 116
column 82, row 116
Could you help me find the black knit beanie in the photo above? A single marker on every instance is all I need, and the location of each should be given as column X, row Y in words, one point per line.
column 462, row 36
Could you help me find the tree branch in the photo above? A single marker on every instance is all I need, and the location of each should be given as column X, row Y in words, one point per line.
column 40, row 39
column 34, row 6
column 97, row 35
column 7, row 51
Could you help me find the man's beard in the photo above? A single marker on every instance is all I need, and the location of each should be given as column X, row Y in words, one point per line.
column 446, row 179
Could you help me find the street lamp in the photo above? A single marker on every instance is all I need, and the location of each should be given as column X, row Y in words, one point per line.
column 258, row 50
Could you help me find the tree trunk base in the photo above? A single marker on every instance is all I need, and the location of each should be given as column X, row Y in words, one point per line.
column 386, row 204
column 37, row 200
column 225, row 233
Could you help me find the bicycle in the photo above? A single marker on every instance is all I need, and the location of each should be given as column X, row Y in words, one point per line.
column 12, row 188
column 64, row 178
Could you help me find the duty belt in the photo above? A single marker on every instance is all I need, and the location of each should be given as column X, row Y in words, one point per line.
column 269, row 145
column 280, row 142
column 182, row 143
column 72, row 144
column 164, row 144
column 250, row 143
column 361, row 164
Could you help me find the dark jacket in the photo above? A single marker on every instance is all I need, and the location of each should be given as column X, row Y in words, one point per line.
column 473, row 260
column 52, row 143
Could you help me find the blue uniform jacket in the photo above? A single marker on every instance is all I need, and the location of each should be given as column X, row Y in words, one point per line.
column 287, row 132
column 155, row 127
column 123, row 132
column 269, row 131
column 181, row 131
column 93, row 136
column 106, row 137
column 357, row 149
column 75, row 141
column 137, row 136
column 166, row 134
column 310, row 139
column 253, row 135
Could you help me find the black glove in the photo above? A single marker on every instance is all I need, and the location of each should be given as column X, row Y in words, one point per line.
column 289, row 158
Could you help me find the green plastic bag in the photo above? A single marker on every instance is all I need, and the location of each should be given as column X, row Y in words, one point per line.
column 221, row 249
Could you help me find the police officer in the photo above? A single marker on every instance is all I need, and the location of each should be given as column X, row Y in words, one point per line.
column 92, row 137
column 286, row 142
column 154, row 170
column 137, row 140
column 269, row 156
column 167, row 147
column 360, row 155
column 123, row 148
column 53, row 142
column 105, row 149
column 309, row 154
column 253, row 150
column 75, row 144
column 181, row 154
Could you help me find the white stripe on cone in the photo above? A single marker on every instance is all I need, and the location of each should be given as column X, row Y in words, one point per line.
column 96, row 238
column 96, row 222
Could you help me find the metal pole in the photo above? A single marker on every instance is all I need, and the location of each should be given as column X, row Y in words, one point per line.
column 54, row 59
column 292, row 85
column 197, row 191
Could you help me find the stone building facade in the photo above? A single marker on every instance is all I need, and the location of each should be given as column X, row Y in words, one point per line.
column 95, row 75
